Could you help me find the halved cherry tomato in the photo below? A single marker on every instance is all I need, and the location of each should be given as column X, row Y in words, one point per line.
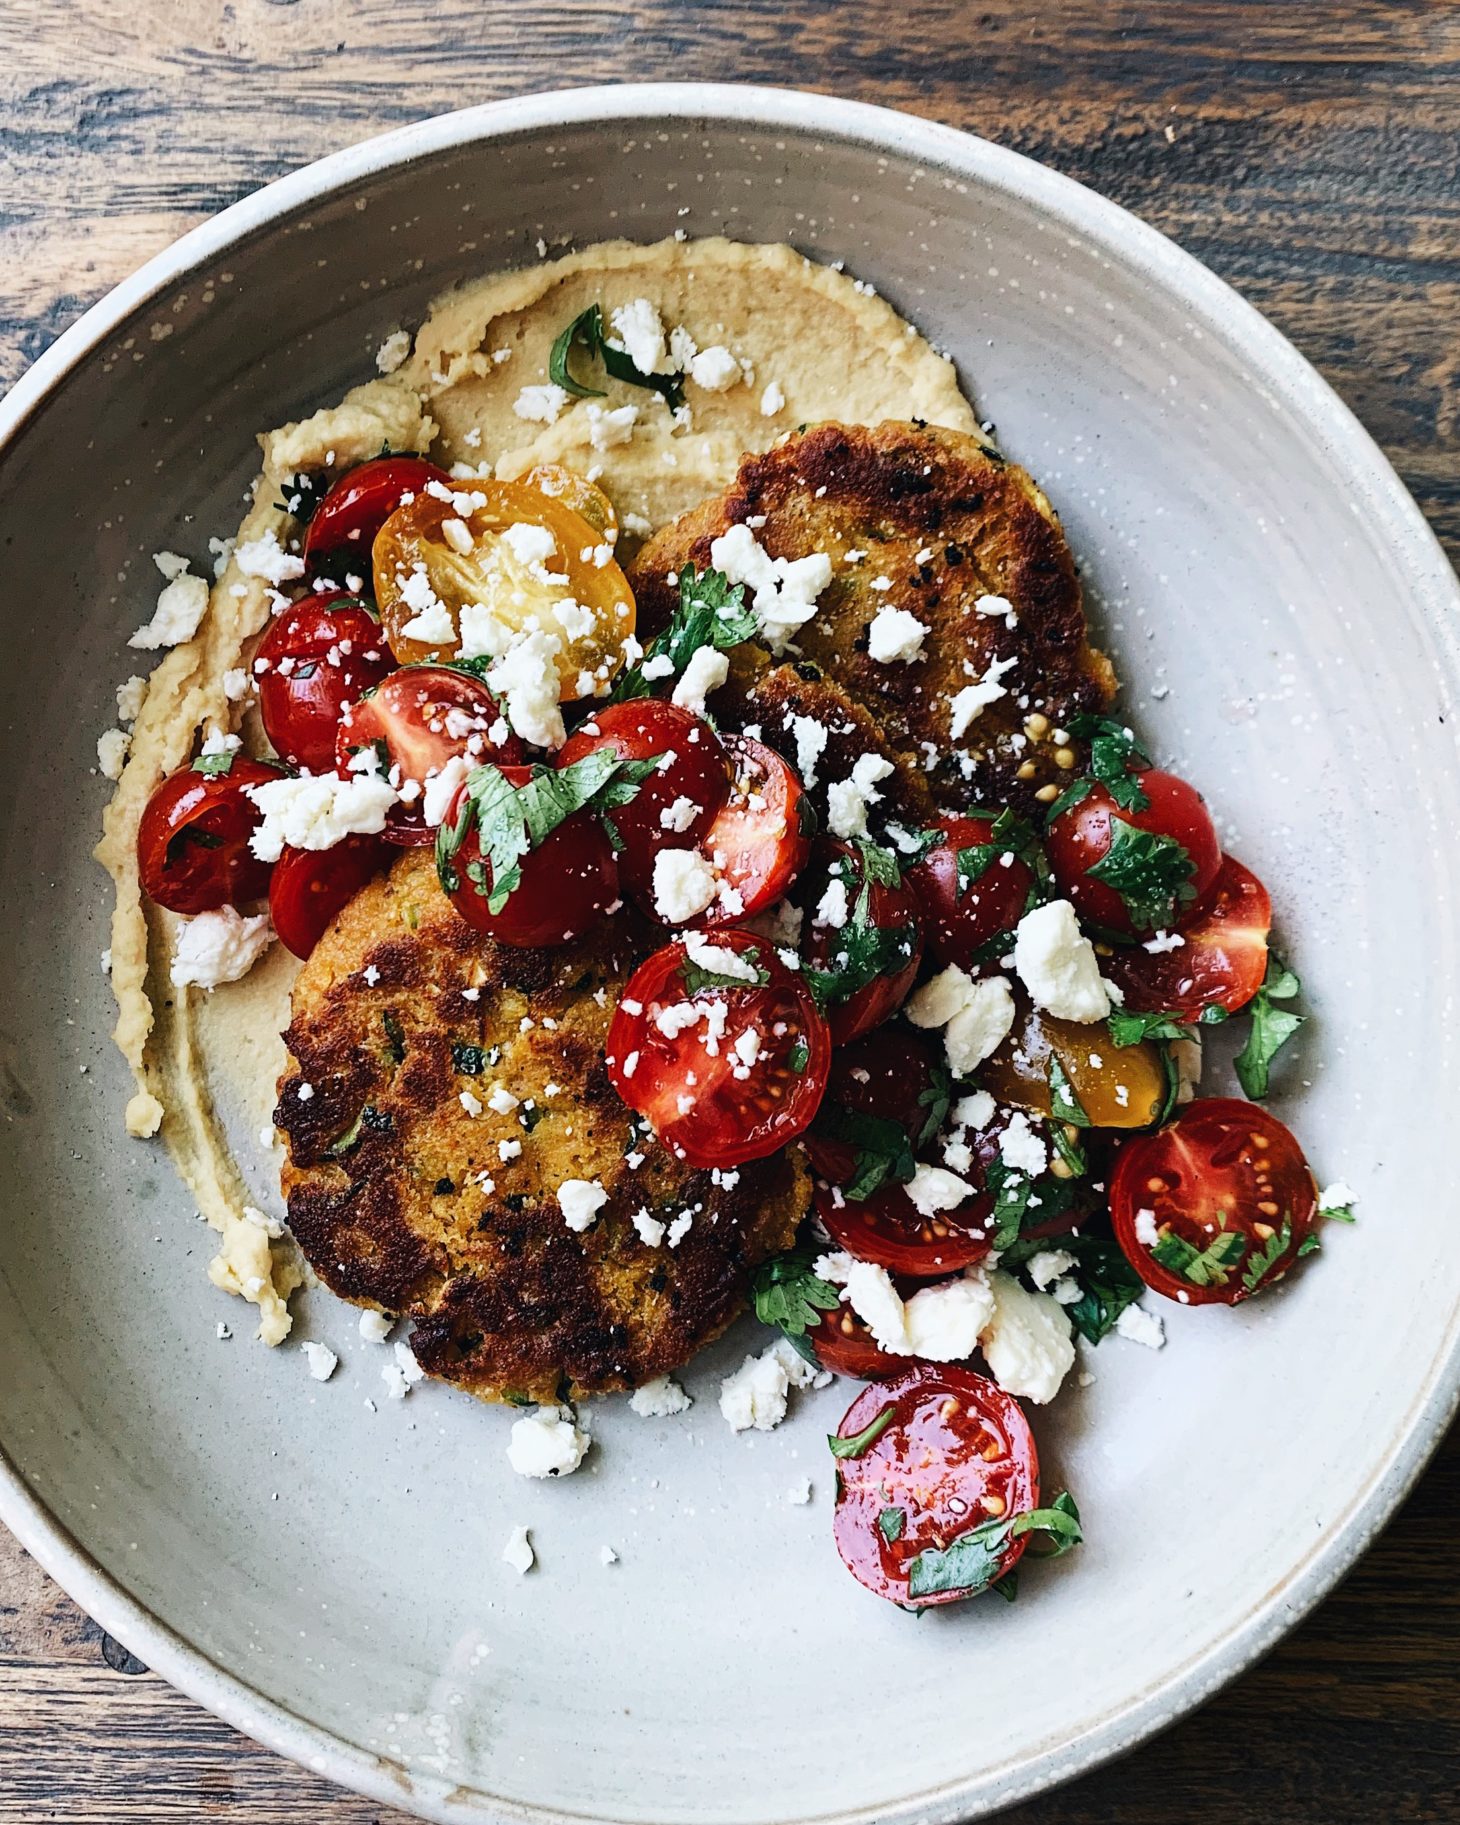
column 723, row 1073
column 1079, row 840
column 1116, row 1086
column 954, row 1452
column 575, row 491
column 468, row 573
column 885, row 1228
column 884, row 1095
column 1220, row 962
column 192, row 840
column 323, row 652
column 343, row 528
column 869, row 961
column 964, row 912
column 568, row 881
column 843, row 1343
column 757, row 844
column 677, row 803
column 311, row 885
column 1216, row 1206
column 419, row 720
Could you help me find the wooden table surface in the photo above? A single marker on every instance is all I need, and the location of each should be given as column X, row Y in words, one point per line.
column 1306, row 152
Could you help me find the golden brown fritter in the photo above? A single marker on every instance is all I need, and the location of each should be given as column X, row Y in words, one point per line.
column 941, row 521
column 404, row 1021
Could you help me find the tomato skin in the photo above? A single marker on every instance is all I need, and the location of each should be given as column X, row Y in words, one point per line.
column 192, row 840
column 894, row 1078
column 957, row 1452
column 699, row 771
column 426, row 715
column 1221, row 961
column 1219, row 1155
column 757, row 848
column 343, row 527
column 702, row 1112
column 1081, row 837
column 890, row 909
column 568, row 881
column 961, row 921
column 332, row 652
column 310, row 886
column 886, row 1229
column 842, row 1343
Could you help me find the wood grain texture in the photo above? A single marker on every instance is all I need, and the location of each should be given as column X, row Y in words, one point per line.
column 1310, row 153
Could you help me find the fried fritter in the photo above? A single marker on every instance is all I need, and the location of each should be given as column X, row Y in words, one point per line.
column 411, row 1190
column 917, row 517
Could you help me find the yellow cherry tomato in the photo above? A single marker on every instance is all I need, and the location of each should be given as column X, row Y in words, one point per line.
column 463, row 577
column 1117, row 1086
column 575, row 491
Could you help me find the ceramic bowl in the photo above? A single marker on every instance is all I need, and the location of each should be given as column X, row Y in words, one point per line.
column 329, row 1577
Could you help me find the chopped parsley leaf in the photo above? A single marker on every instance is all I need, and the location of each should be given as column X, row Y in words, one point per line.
column 971, row 1562
column 1272, row 1027
column 1262, row 1263
column 1151, row 873
column 1210, row 1266
column 788, row 1294
column 586, row 331
column 863, row 1441
column 711, row 612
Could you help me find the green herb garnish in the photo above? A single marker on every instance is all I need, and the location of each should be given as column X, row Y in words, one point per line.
column 212, row 765
column 971, row 1563
column 1261, row 1263
column 788, row 1294
column 468, row 1061
column 1065, row 1105
column 891, row 1524
column 1151, row 873
column 586, row 331
column 711, row 612
column 1210, row 1266
column 1272, row 1027
column 864, row 1440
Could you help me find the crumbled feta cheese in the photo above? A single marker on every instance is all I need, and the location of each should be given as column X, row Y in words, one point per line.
column 684, row 885
column 530, row 544
column 833, row 909
column 931, row 1189
column 976, row 1017
column 715, row 369
column 639, row 331
column 997, row 608
column 680, row 1227
column 799, row 1372
column 236, row 684
column 941, row 1323
column 170, row 564
column 509, row 1150
column 970, row 702
column 317, row 810
column 610, row 427
column 679, row 816
column 706, row 672
column 525, row 682
column 1057, row 964
column 393, row 352
column 180, row 607
column 1163, row 941
column 547, row 1443
column 1337, row 1196
column 518, row 1551
column 809, row 736
column 895, row 634
column 1148, row 1232
column 580, row 1201
column 430, row 621
column 719, row 959
column 607, row 1556
column 541, row 404
column 375, row 1327
column 848, row 800
column 649, row 1230
column 130, row 697
column 1021, row 1149
column 754, row 1397
column 501, row 1101
column 1047, row 1266
column 1137, row 1325
column 219, row 946
column 1026, row 1342
column 405, row 1361
column 772, row 400
column 660, row 1398
column 976, row 1110
column 111, row 752
column 321, row 1359
column 442, row 787
column 266, row 559
column 396, row 1385
column 784, row 589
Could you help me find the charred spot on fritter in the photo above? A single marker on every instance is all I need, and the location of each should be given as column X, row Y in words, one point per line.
column 441, row 1090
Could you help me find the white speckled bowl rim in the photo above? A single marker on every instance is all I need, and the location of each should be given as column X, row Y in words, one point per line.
column 1429, row 581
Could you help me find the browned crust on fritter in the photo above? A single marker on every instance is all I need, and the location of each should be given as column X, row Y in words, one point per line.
column 507, row 1301
column 896, row 491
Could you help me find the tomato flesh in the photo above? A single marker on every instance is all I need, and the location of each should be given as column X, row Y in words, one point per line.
column 843, row 1343
column 310, row 886
column 892, row 922
column 343, row 527
column 319, row 655
column 1116, row 1086
column 426, row 716
column 957, row 1452
column 892, row 1079
column 887, row 1229
column 756, row 844
column 192, row 840
column 722, row 1074
column 1080, row 840
column 1216, row 1206
column 569, row 881
column 1220, row 962
column 677, row 803
column 964, row 916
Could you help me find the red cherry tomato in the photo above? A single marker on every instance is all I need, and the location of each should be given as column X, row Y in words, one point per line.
column 676, row 804
column 954, row 1452
column 739, row 1071
column 311, row 885
column 887, row 1229
column 568, row 881
column 964, row 916
column 1079, row 840
column 843, row 1344
column 320, row 654
column 426, row 716
column 192, row 841
column 1214, row 1207
column 1220, row 962
column 756, row 843
column 873, row 958
column 343, row 527
column 890, row 1092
